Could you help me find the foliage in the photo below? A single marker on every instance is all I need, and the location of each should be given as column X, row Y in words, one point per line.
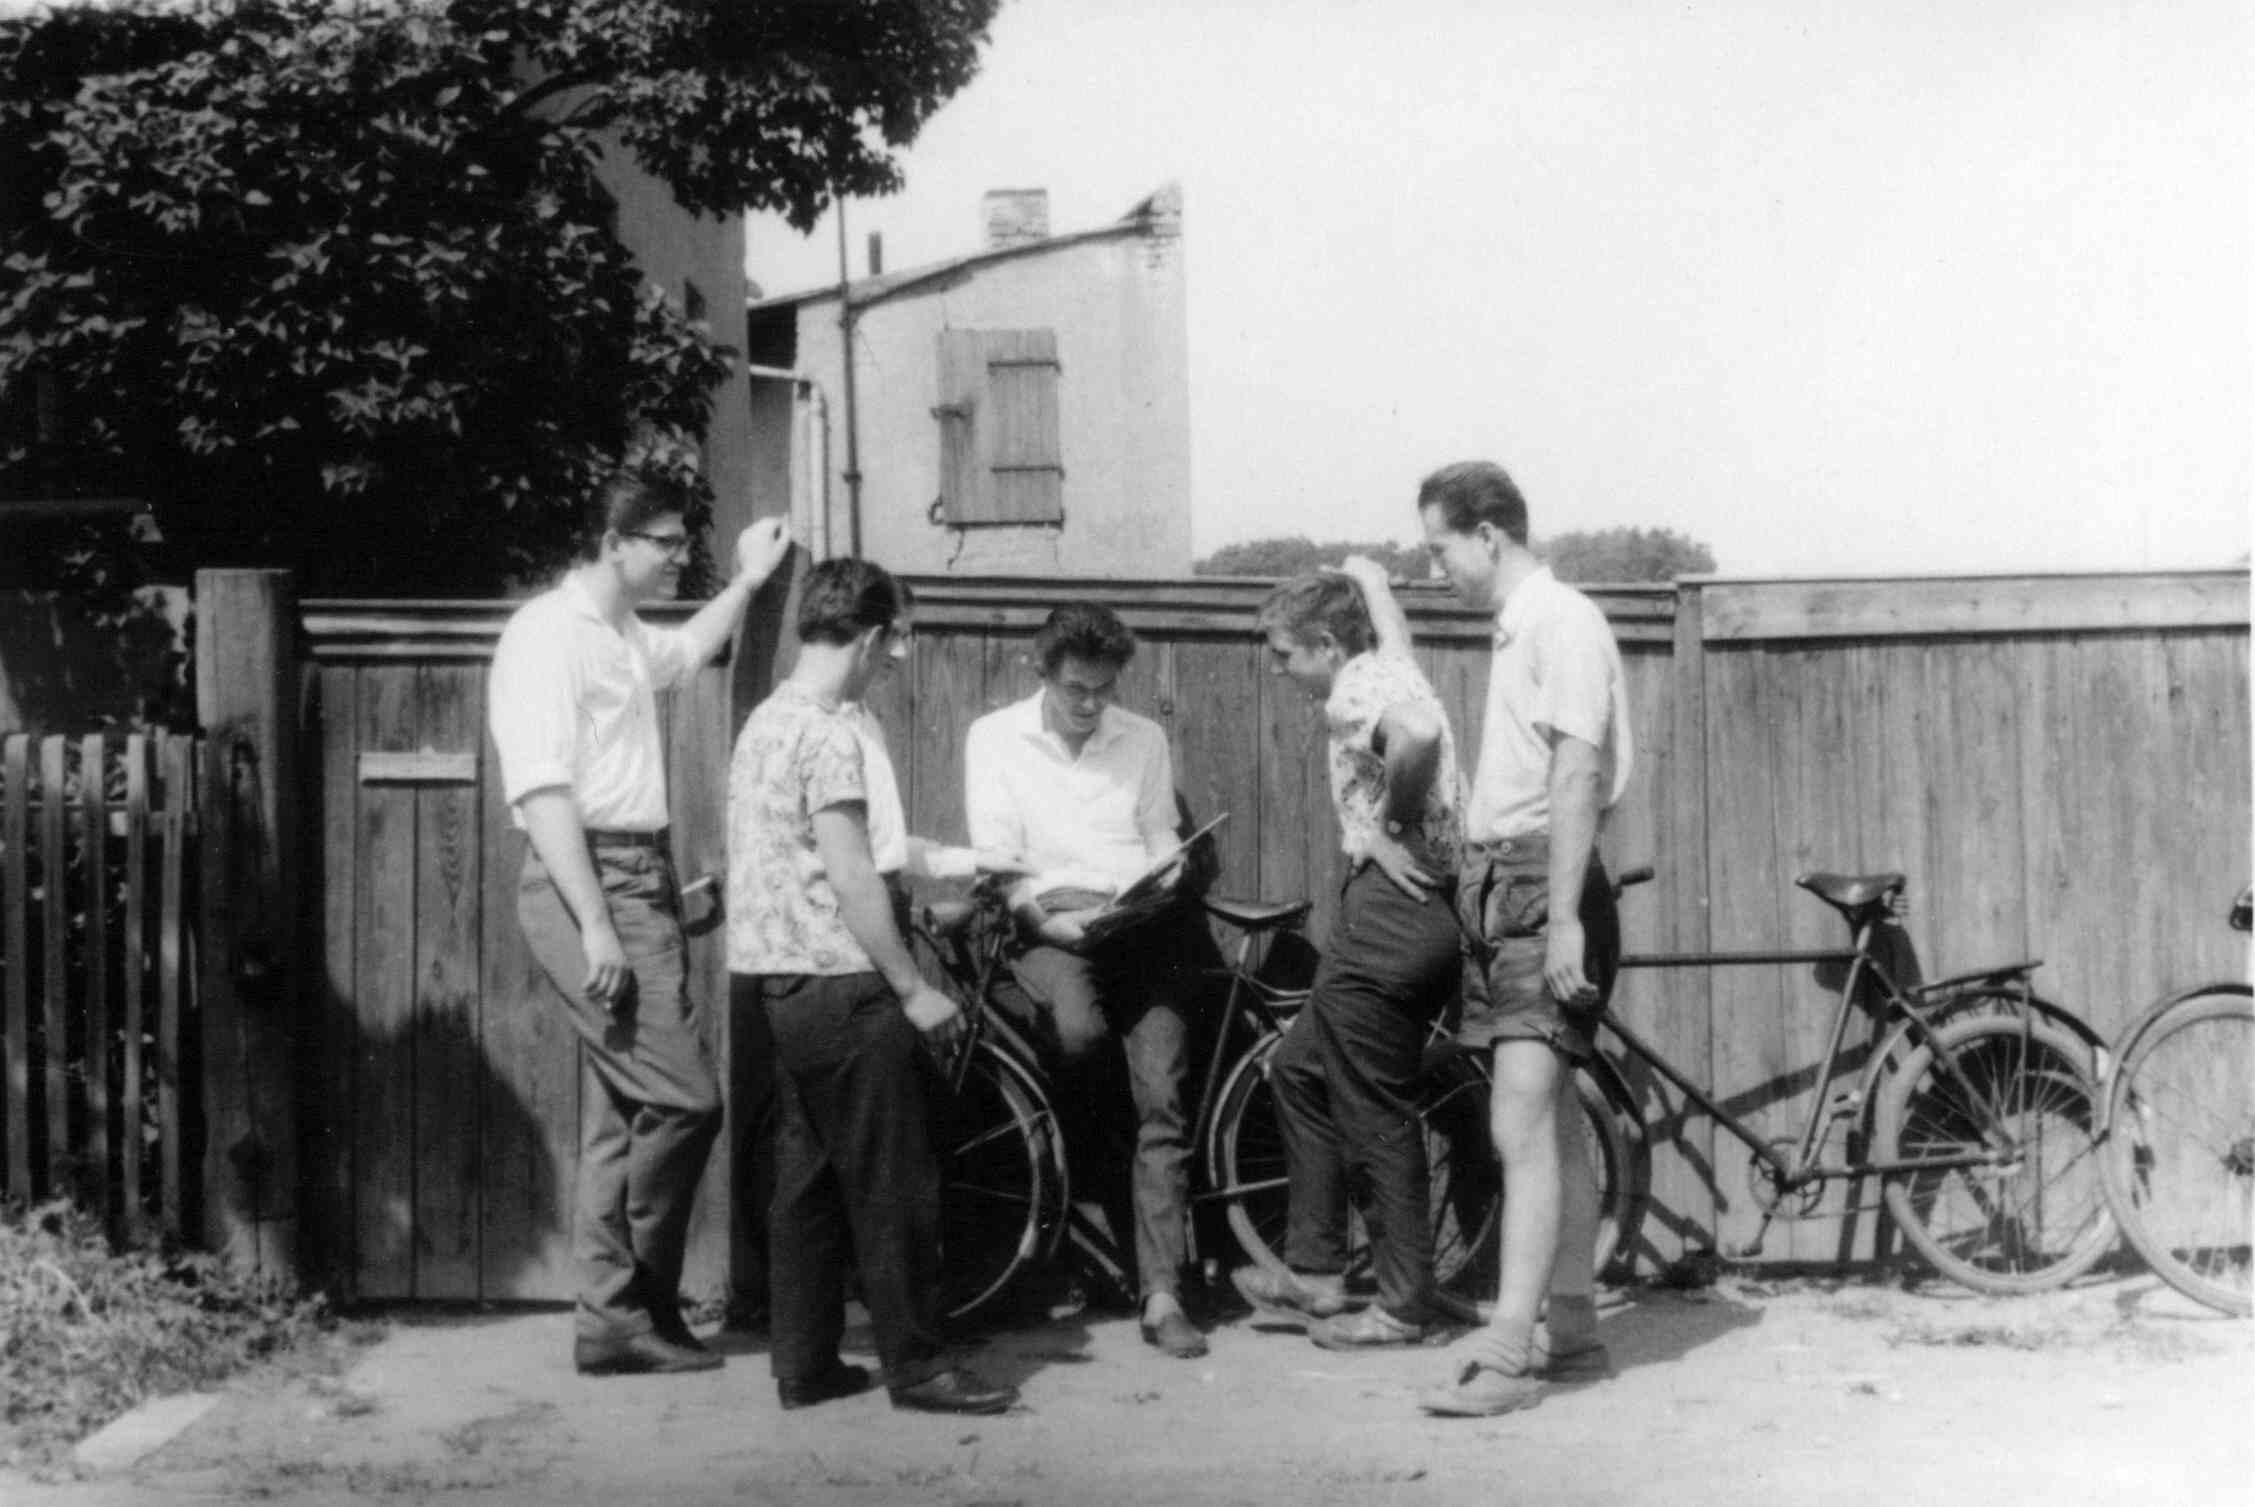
column 88, row 1330
column 1298, row 554
column 1626, row 554
column 1609, row 555
column 337, row 284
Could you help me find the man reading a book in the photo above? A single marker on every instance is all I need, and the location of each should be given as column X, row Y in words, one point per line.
column 1084, row 791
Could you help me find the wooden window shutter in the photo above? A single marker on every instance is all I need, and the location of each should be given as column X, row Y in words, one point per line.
column 1000, row 459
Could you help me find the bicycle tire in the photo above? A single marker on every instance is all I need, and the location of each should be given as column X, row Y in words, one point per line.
column 1245, row 1169
column 1004, row 1185
column 2180, row 1143
column 2029, row 1225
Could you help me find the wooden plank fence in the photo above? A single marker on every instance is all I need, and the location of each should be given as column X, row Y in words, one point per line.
column 2060, row 764
column 98, row 1014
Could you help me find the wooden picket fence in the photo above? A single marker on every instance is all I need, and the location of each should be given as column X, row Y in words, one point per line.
column 97, row 975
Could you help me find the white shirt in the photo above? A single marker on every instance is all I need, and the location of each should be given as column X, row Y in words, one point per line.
column 1556, row 669
column 572, row 702
column 1105, row 813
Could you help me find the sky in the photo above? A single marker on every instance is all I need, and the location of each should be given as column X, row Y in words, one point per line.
column 1878, row 286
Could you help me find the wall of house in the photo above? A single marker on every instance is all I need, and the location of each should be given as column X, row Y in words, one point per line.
column 677, row 249
column 1117, row 307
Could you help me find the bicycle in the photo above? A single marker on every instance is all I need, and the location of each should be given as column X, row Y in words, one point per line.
column 1007, row 1205
column 2179, row 1137
column 1978, row 1107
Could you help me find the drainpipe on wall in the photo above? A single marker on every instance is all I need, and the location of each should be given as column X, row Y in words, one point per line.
column 853, row 428
column 813, row 454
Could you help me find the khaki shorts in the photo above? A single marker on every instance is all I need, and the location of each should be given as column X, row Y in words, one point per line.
column 1503, row 906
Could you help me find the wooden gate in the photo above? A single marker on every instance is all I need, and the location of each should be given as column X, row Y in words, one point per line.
column 443, row 1083
column 97, row 897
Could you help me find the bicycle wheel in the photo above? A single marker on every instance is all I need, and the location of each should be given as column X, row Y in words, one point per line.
column 2010, row 1102
column 2180, row 1144
column 1003, row 1189
column 1245, row 1168
column 1245, row 1157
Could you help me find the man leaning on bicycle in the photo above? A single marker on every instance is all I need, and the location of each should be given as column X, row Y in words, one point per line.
column 1084, row 791
column 1346, row 1076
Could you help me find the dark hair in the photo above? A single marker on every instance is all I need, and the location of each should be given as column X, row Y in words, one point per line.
column 1473, row 492
column 844, row 598
column 1082, row 630
column 629, row 503
column 1319, row 602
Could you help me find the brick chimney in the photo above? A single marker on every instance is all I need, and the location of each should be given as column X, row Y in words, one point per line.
column 1014, row 216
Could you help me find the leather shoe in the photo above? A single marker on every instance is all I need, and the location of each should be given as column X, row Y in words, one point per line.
column 1174, row 1334
column 956, row 1391
column 841, row 1380
column 672, row 1327
column 646, row 1354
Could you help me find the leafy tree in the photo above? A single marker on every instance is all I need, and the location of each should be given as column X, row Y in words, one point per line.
column 1626, row 554
column 1609, row 555
column 335, row 283
column 1298, row 554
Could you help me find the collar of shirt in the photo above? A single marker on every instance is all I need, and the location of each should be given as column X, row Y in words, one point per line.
column 1516, row 606
column 1033, row 728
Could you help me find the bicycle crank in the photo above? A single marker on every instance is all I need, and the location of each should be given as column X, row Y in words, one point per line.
column 1767, row 1186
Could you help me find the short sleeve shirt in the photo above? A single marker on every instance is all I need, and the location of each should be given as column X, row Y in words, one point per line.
column 1362, row 691
column 796, row 757
column 1556, row 670
column 572, row 702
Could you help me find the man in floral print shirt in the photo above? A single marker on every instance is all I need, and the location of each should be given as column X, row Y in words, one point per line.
column 1346, row 1075
column 816, row 953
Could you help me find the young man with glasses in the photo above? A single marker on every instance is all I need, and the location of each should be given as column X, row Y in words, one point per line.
column 573, row 713
column 1084, row 792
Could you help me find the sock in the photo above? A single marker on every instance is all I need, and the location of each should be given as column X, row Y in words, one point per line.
column 1571, row 1317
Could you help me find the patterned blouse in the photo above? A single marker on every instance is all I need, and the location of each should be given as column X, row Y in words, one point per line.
column 1364, row 688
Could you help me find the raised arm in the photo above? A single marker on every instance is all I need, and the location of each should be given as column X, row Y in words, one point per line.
column 1386, row 616
column 759, row 550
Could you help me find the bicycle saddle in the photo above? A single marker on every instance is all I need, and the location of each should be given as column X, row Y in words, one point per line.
column 1258, row 915
column 1851, row 892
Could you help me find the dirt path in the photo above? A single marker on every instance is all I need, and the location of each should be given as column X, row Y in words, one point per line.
column 1743, row 1394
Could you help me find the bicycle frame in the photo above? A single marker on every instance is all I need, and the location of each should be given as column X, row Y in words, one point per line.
column 1264, row 1009
column 1894, row 1004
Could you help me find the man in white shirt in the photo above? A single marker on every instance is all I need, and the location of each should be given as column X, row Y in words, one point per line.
column 1084, row 792
column 573, row 713
column 1540, row 927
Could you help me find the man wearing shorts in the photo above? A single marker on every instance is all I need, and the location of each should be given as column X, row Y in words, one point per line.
column 1554, row 757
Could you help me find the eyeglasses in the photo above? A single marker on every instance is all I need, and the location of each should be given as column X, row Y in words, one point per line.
column 674, row 546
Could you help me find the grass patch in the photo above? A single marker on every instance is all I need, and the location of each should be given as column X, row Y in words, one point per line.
column 87, row 1329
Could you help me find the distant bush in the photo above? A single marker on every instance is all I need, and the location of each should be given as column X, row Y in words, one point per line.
column 88, row 1330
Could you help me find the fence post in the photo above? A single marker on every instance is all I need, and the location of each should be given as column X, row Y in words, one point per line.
column 246, row 698
column 1688, row 1187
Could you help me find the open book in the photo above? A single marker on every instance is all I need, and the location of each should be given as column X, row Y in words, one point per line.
column 1134, row 902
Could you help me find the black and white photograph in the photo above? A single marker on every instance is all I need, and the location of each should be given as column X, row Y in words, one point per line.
column 1069, row 753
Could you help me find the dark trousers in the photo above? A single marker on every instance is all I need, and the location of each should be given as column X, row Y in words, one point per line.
column 854, row 1172
column 751, row 1142
column 1346, row 1083
column 650, row 1103
column 1140, row 988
